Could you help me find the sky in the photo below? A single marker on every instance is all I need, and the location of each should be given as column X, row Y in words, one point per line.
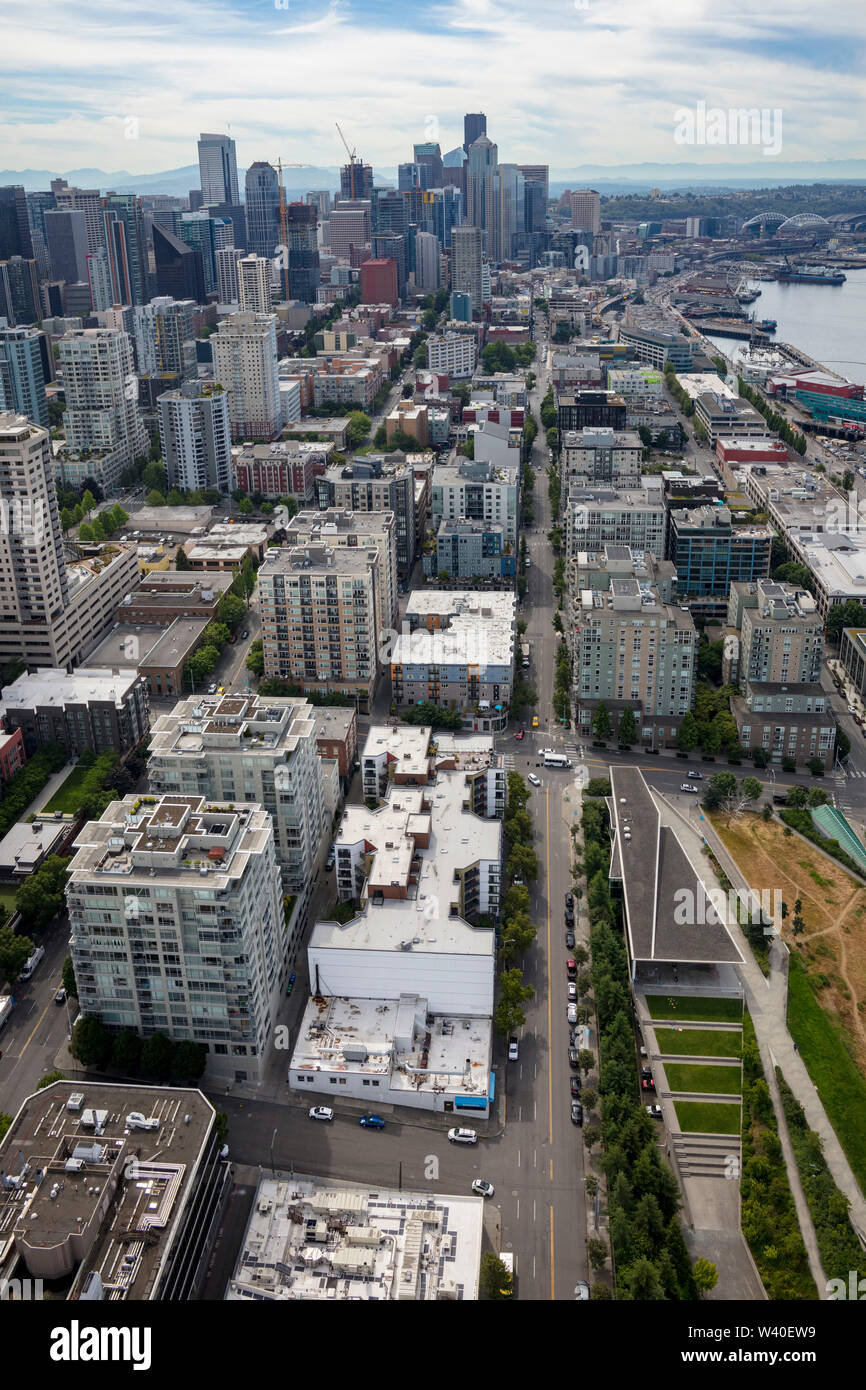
column 114, row 85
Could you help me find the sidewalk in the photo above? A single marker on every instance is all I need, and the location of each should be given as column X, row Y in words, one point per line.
column 767, row 1000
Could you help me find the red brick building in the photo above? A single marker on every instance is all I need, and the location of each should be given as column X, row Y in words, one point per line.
column 379, row 281
column 12, row 754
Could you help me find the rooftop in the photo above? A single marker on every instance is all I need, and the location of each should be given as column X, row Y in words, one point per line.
column 233, row 722
column 52, row 686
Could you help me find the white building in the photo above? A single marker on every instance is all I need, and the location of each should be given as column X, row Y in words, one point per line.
column 245, row 363
column 358, row 530
column 165, row 336
column 254, row 284
column 601, row 455
column 177, row 926
column 426, row 262
column 102, row 418
column 195, row 436
column 454, row 353
column 227, row 258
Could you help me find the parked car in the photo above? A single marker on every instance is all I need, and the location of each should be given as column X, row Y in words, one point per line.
column 576, row 1113
column 654, row 1111
column 569, row 939
column 462, row 1136
column 245, row 632
column 687, row 787
column 569, row 900
column 531, row 777
column 212, row 690
column 575, row 1088
column 482, row 1188
column 60, row 996
column 581, row 1292
column 512, row 1049
column 699, row 776
column 329, row 862
column 646, row 1074
column 569, row 918
column 521, row 733
column 572, row 1058
column 321, row 1112
column 572, row 990
column 571, row 967
column 372, row 1122
column 572, row 1013
column 647, row 1084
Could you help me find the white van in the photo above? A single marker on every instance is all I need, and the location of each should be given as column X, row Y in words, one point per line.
column 31, row 963
column 556, row 759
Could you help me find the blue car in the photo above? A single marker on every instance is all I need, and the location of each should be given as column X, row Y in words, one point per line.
column 372, row 1122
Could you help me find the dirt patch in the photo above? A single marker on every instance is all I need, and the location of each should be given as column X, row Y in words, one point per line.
column 832, row 944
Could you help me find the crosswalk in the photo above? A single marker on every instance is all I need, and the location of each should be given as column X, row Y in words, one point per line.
column 855, row 772
column 508, row 762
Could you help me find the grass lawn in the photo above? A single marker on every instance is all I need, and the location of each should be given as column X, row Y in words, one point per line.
column 840, row 1085
column 700, row 1042
column 67, row 798
column 705, row 1117
column 722, row 1080
column 709, row 1010
column 7, row 903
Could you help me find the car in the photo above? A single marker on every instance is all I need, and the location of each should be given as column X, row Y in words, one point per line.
column 571, row 967
column 482, row 1188
column 212, row 690
column 512, row 1049
column 60, row 996
column 698, row 776
column 535, row 721
column 575, row 1087
column 572, row 1013
column 581, row 1292
column 572, row 990
column 531, row 777
column 646, row 1074
column 569, row 939
column 569, row 900
column 572, row 1058
column 687, row 787
column 521, row 733
column 654, row 1112
column 576, row 1113
column 245, row 632
column 321, row 1112
column 371, row 1122
column 221, row 690
column 329, row 862
column 462, row 1136
column 647, row 1084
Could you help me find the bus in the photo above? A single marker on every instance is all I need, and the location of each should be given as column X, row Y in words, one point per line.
column 552, row 759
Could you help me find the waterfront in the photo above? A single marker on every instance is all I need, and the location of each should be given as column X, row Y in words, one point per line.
column 826, row 321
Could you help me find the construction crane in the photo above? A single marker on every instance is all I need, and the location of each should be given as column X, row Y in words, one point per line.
column 284, row 233
column 352, row 157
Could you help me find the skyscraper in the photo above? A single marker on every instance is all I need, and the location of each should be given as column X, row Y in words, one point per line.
column 586, row 210
column 474, row 125
column 195, row 436
column 218, row 167
column 179, row 269
column 66, row 239
column 36, row 587
column 482, row 189
column 254, row 284
column 245, row 362
column 228, row 288
column 466, row 258
column 14, row 226
column 356, row 180
column 429, row 157
column 511, row 224
column 303, row 247
column 22, row 378
column 164, row 335
column 19, row 291
column 262, row 209
column 99, row 279
column 208, row 234
column 102, row 399
column 86, row 200
column 426, row 262
column 124, row 239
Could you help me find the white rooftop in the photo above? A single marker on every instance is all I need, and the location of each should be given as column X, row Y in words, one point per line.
column 55, row 686
column 405, row 744
column 450, row 602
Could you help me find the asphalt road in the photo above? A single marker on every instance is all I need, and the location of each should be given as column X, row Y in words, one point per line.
column 37, row 1027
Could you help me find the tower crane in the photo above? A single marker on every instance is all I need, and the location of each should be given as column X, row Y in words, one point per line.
column 352, row 156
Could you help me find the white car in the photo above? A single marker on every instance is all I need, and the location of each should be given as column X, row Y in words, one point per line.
column 531, row 777
column 581, row 1292
column 482, row 1188
column 513, row 1050
column 687, row 787
column 321, row 1112
column 462, row 1136
column 572, row 1013
column 572, row 990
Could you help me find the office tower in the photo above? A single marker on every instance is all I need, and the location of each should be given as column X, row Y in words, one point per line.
column 389, row 212
column 20, row 301
column 101, row 396
column 426, row 262
column 99, row 279
column 303, row 253
column 441, row 209
column 14, row 225
column 349, row 227
column 409, row 176
column 195, row 198
column 191, row 916
column 474, row 126
column 228, row 288
column 218, row 168
column 356, row 180
column 207, row 234
column 454, row 169
column 37, row 206
column 511, row 224
column 586, row 210
column 179, row 267
column 379, row 281
column 164, row 336
column 320, row 199
column 66, row 239
column 388, row 246
column 253, row 283
column 231, row 222
column 482, row 190
column 125, row 241
column 195, row 436
column 86, row 200
column 22, row 376
column 35, row 586
column 429, row 156
column 318, row 609
column 466, row 260
column 245, row 362
column 268, row 754
column 262, row 210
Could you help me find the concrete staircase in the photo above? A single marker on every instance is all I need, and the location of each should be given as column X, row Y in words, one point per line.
column 707, row 1155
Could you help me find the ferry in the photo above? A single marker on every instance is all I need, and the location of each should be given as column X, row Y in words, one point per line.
column 812, row 275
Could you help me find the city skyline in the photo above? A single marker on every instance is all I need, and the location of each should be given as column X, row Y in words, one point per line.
column 630, row 72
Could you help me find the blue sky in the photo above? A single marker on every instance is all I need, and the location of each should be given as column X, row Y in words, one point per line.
column 563, row 82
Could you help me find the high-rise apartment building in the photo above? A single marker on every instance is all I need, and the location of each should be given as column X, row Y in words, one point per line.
column 253, row 283
column 245, row 362
column 14, row 224
column 19, row 291
column 164, row 336
column 466, row 259
column 99, row 279
column 303, row 253
column 426, row 262
column 482, row 191
column 356, row 180
column 601, row 456
column 66, row 241
column 318, row 608
column 195, row 436
column 710, row 553
column 369, row 484
column 781, row 633
column 586, row 210
column 228, row 286
column 262, row 209
column 379, row 284
column 177, row 925
column 510, row 233
column 22, row 376
column 471, row 491
column 358, row 531
column 102, row 416
column 218, row 168
column 86, row 200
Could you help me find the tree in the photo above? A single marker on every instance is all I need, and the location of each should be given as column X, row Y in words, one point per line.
column 49, row 1079
column 91, row 1041
column 156, row 1056
column 815, row 766
column 513, row 994
column 705, row 1275
column 245, row 506
column 41, row 895
column 601, row 722
column 359, row 425
column 231, row 611
column 188, row 1061
column 126, row 1052
column 181, row 559
column 760, row 757
column 255, row 661
column 15, row 951
column 87, row 533
column 721, row 793
column 688, row 735
column 155, row 498
column 752, row 788
column 627, row 732
column 522, row 863
column 586, row 1060
column 153, row 478
column 494, row 1278
column 68, row 978
column 596, row 1251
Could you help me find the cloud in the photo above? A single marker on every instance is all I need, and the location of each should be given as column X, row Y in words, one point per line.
column 561, row 81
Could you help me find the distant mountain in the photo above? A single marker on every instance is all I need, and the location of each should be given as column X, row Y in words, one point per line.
column 758, row 173
column 175, row 183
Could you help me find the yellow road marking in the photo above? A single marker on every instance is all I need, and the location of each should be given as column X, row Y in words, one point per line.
column 35, row 1026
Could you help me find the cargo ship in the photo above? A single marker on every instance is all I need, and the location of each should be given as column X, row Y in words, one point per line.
column 812, row 275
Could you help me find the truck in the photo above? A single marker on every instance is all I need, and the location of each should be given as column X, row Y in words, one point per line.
column 524, row 654
column 7, row 1004
column 506, row 1257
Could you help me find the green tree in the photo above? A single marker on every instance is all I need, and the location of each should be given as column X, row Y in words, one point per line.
column 91, row 1041
column 69, row 983
column 522, row 863
column 188, row 1062
column 601, row 722
column 255, row 661
column 688, row 735
column 245, row 506
column 153, row 478
column 15, row 951
column 41, row 895
column 181, row 559
column 155, row 498
column 494, row 1278
column 586, row 1060
column 705, row 1275
column 513, row 994
column 156, row 1057
column 126, row 1051
column 752, row 788
column 87, row 533
column 49, row 1079
column 627, row 732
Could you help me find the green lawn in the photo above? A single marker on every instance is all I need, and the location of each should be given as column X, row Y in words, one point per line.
column 67, row 798
column 698, row 1010
column 840, row 1085
column 700, row 1042
column 7, row 903
column 721, row 1080
column 706, row 1117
